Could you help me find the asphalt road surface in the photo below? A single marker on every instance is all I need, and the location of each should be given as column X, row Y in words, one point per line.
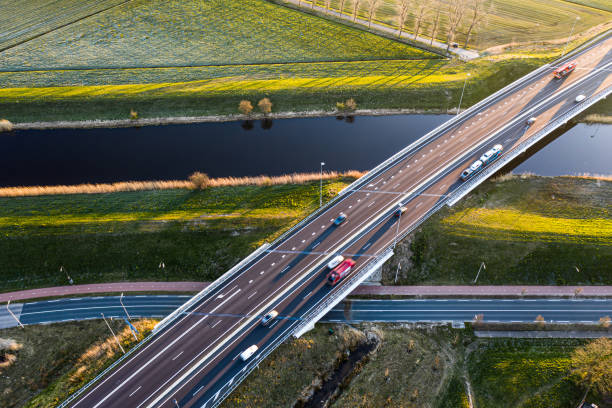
column 352, row 311
column 193, row 359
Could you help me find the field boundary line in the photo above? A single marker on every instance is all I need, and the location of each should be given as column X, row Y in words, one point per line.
column 64, row 25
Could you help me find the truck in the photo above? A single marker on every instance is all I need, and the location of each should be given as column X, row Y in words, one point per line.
column 340, row 271
column 564, row 70
column 487, row 158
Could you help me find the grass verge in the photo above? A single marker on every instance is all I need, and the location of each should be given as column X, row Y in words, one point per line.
column 57, row 359
column 197, row 234
column 527, row 230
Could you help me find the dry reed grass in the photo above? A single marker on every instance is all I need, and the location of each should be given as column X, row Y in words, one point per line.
column 598, row 118
column 5, row 125
column 603, row 177
column 7, row 346
column 297, row 178
column 97, row 355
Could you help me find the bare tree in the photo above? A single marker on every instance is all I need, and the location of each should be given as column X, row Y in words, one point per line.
column 245, row 107
column 355, row 9
column 341, row 6
column 327, row 4
column 372, row 7
column 420, row 14
column 477, row 14
column 313, row 3
column 402, row 7
column 265, row 106
column 437, row 5
column 456, row 11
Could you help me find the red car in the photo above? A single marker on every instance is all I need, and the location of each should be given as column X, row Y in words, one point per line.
column 340, row 271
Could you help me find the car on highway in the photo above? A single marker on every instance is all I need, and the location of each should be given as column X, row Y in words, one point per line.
column 565, row 70
column 399, row 211
column 341, row 218
column 340, row 271
column 580, row 98
column 531, row 120
column 246, row 354
column 470, row 171
column 335, row 261
column 269, row 317
column 491, row 155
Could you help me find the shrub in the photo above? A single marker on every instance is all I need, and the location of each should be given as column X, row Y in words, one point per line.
column 540, row 320
column 604, row 321
column 245, row 107
column 340, row 107
column 350, row 104
column 5, row 125
column 199, row 180
column 133, row 114
column 265, row 106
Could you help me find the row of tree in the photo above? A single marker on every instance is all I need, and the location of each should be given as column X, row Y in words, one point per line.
column 422, row 14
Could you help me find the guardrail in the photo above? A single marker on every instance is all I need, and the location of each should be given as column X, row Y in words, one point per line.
column 523, row 146
column 214, row 285
column 308, row 321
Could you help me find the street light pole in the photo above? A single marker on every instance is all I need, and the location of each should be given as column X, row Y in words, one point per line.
column 13, row 314
column 570, row 36
column 461, row 99
column 321, row 185
column 113, row 333
column 122, row 305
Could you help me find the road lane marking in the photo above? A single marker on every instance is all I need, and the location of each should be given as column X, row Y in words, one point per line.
column 135, row 391
column 177, row 356
column 252, row 294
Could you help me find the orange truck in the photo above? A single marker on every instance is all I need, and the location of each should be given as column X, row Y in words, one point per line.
column 564, row 70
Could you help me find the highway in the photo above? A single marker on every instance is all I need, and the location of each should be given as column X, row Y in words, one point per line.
column 193, row 361
column 348, row 311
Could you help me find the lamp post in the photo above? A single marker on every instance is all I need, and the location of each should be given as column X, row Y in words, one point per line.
column 321, row 185
column 13, row 314
column 461, row 99
column 113, row 333
column 570, row 36
column 122, row 305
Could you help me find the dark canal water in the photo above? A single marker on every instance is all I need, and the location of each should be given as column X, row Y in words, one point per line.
column 68, row 156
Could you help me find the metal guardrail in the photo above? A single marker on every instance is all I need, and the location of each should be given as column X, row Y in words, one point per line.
column 214, row 285
column 526, row 144
column 335, row 297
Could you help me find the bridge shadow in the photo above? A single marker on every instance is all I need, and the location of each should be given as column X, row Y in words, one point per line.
column 379, row 233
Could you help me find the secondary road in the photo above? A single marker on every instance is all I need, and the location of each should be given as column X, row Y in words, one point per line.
column 194, row 359
column 352, row 311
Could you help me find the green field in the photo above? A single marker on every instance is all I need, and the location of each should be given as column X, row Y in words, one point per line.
column 22, row 20
column 124, row 236
column 520, row 373
column 547, row 231
column 508, row 21
column 200, row 33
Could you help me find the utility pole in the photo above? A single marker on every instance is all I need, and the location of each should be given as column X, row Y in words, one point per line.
column 570, row 36
column 461, row 99
column 321, row 186
column 482, row 266
column 13, row 314
column 397, row 271
column 113, row 333
column 176, row 403
column 124, row 309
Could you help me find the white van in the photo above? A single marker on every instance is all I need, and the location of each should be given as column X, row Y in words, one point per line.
column 246, row 354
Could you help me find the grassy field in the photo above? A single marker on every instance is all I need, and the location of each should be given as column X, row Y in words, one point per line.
column 526, row 230
column 506, row 22
column 124, row 236
column 22, row 20
column 410, row 368
column 196, row 33
column 56, row 359
column 521, row 373
column 425, row 84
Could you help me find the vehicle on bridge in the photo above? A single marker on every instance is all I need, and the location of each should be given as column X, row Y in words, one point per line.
column 246, row 354
column 580, row 98
column 269, row 317
column 564, row 70
column 340, row 271
column 531, row 120
column 341, row 218
column 487, row 158
column 399, row 211
column 335, row 261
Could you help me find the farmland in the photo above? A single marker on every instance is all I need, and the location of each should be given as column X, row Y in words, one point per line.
column 534, row 230
column 513, row 21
